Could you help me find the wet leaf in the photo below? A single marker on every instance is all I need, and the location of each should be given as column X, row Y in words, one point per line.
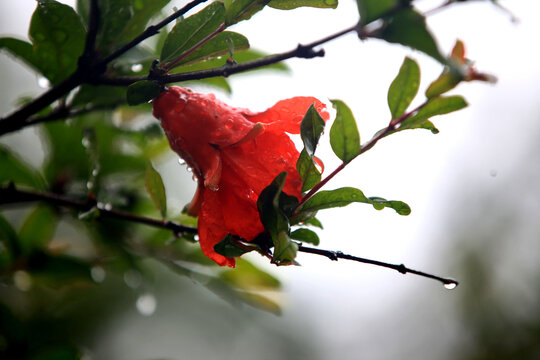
column 268, row 204
column 218, row 46
column 327, row 199
column 308, row 171
column 404, row 88
column 284, row 250
column 371, row 10
column 58, row 38
column 344, row 135
column 190, row 31
column 311, row 129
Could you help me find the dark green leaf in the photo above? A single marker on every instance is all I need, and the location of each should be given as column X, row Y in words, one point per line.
column 311, row 129
column 407, row 27
column 38, row 228
column 23, row 51
column 9, row 242
column 344, row 136
column 404, row 88
column 272, row 217
column 249, row 277
column 284, row 250
column 371, row 10
column 58, row 39
column 57, row 270
column 218, row 46
column 14, row 169
column 238, row 10
column 156, row 189
column 232, row 246
column 308, row 171
column 293, row 4
column 305, row 235
column 142, row 92
column 121, row 20
column 99, row 96
column 344, row 196
column 192, row 30
column 434, row 107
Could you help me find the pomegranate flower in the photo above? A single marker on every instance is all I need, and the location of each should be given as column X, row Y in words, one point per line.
column 234, row 154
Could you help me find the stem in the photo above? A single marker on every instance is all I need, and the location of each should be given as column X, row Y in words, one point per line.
column 392, row 126
column 11, row 195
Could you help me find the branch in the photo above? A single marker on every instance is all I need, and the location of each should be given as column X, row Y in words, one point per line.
column 65, row 112
column 11, row 195
column 86, row 71
column 392, row 126
column 301, row 51
column 335, row 255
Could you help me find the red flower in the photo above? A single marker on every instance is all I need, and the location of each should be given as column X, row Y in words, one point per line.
column 235, row 154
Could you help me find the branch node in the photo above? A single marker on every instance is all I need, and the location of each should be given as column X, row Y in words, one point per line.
column 402, row 268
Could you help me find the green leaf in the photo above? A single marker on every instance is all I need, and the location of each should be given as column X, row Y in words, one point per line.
column 305, row 235
column 311, row 129
column 217, row 46
column 192, row 30
column 293, row 4
column 309, row 173
column 344, row 196
column 156, row 189
column 284, row 250
column 344, row 136
column 448, row 80
column 14, row 169
column 233, row 246
column 38, row 228
column 404, row 88
column 58, row 38
column 58, row 270
column 268, row 204
column 9, row 242
column 371, row 10
column 249, row 277
column 142, row 92
column 260, row 302
column 314, row 222
column 434, row 107
column 102, row 96
column 120, row 20
column 238, row 10
column 21, row 50
column 407, row 27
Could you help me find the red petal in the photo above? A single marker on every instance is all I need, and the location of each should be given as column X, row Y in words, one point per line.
column 286, row 115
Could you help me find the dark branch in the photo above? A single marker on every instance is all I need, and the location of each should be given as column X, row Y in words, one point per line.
column 65, row 112
column 85, row 72
column 11, row 195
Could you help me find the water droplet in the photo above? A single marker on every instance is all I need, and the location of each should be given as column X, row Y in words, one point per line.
column 196, row 237
column 136, row 67
column 181, row 161
column 43, row 82
column 86, row 142
column 451, row 285
column 189, row 169
column 213, row 187
column 146, row 304
column 90, row 186
column 22, row 280
column 133, row 279
column 98, row 274
column 95, row 172
column 107, row 207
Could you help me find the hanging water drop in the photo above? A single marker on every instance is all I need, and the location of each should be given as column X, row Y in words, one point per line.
column 95, row 172
column 90, row 186
column 181, row 161
column 450, row 285
column 136, row 68
column 43, row 82
column 146, row 304
column 98, row 274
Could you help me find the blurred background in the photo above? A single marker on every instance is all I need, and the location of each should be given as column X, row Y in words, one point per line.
column 473, row 188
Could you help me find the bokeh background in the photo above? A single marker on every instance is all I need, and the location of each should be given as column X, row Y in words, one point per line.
column 474, row 190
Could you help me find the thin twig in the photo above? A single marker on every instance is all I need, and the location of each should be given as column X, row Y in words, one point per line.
column 65, row 112
column 11, row 195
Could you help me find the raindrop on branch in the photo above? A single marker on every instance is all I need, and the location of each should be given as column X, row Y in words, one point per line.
column 136, row 67
column 43, row 82
column 451, row 285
